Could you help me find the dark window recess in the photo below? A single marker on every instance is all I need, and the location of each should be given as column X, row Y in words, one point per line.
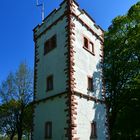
column 48, row 130
column 50, row 44
column 93, row 130
column 49, row 83
column 90, row 84
column 85, row 42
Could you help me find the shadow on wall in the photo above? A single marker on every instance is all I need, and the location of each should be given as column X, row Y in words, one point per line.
column 99, row 119
column 100, row 110
column 97, row 81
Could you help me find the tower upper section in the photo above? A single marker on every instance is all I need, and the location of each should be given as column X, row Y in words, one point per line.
column 68, row 53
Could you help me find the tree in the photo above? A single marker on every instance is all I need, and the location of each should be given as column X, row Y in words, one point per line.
column 27, row 123
column 122, row 74
column 7, row 119
column 16, row 95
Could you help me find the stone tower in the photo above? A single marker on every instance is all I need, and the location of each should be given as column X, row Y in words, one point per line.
column 69, row 99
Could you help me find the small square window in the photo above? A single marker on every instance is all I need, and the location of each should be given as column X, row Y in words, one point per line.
column 48, row 130
column 85, row 42
column 90, row 84
column 49, row 83
column 88, row 45
column 93, row 130
column 50, row 44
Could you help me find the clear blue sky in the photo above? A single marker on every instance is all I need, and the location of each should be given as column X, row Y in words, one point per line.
column 19, row 17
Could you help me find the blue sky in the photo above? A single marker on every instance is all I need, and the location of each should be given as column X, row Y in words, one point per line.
column 19, row 17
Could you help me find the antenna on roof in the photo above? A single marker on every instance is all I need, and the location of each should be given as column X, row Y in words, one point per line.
column 42, row 8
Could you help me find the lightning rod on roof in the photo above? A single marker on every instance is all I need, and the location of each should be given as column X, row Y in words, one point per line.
column 42, row 8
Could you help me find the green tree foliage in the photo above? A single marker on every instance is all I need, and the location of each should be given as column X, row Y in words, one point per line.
column 16, row 95
column 122, row 74
column 7, row 119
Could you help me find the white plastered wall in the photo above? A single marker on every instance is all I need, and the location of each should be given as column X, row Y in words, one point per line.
column 51, row 110
column 54, row 62
column 86, row 65
column 87, row 112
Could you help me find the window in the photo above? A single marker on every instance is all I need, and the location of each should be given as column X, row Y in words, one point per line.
column 49, row 82
column 85, row 42
column 91, row 47
column 50, row 44
column 48, row 130
column 88, row 45
column 93, row 130
column 90, row 84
